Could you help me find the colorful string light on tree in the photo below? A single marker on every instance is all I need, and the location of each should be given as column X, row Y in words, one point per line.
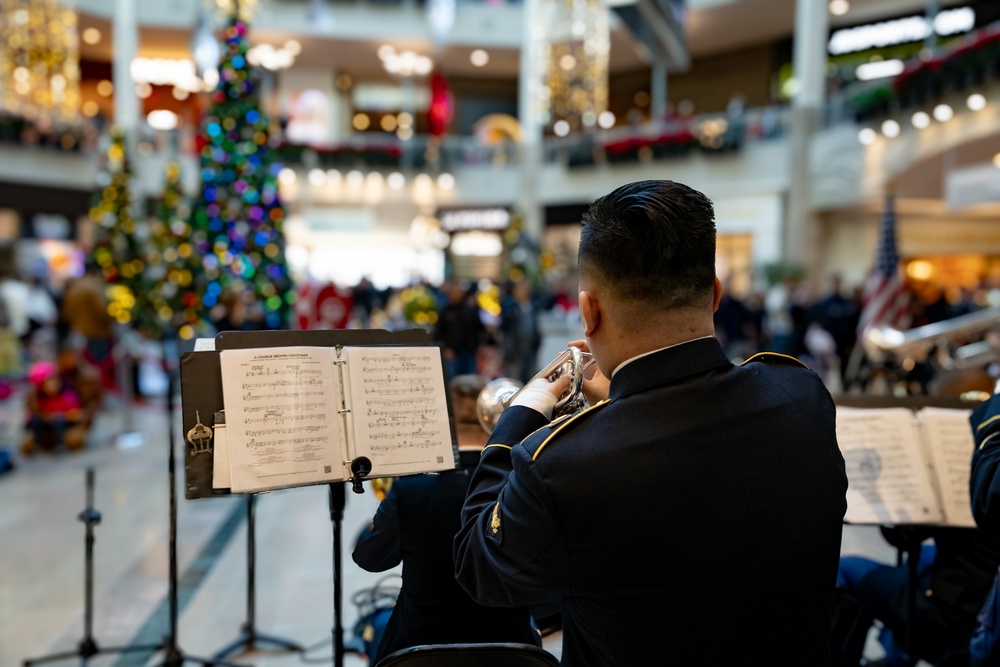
column 117, row 249
column 238, row 220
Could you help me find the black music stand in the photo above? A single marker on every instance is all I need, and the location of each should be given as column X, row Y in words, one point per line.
column 173, row 655
column 250, row 637
column 908, row 537
column 229, row 340
column 87, row 647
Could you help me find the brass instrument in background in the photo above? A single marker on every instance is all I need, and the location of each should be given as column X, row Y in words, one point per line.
column 881, row 343
column 497, row 395
column 948, row 339
column 381, row 486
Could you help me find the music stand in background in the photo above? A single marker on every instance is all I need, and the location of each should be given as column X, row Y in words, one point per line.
column 87, row 647
column 908, row 537
column 250, row 637
column 233, row 340
column 173, row 655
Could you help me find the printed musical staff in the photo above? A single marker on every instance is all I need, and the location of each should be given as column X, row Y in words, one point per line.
column 281, row 410
column 399, row 407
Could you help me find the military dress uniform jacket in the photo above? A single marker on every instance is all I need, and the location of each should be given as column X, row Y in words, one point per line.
column 694, row 517
column 984, row 481
column 415, row 524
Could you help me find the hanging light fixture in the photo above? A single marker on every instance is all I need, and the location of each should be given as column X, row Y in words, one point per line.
column 39, row 60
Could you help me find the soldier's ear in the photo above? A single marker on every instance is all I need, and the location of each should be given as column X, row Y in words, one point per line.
column 717, row 296
column 590, row 313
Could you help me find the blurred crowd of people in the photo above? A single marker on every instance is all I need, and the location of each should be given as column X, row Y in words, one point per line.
column 59, row 343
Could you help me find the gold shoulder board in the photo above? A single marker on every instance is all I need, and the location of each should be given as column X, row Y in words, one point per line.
column 561, row 424
column 775, row 358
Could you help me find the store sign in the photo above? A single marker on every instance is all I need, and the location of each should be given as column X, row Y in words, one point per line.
column 353, row 219
column 478, row 218
column 971, row 186
column 901, row 31
column 386, row 97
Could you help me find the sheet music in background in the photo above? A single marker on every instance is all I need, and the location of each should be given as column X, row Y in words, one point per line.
column 950, row 443
column 889, row 478
column 221, row 478
column 281, row 416
column 399, row 410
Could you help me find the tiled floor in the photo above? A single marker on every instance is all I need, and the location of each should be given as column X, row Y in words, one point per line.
column 41, row 556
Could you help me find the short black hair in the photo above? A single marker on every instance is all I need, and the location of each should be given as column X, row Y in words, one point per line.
column 651, row 242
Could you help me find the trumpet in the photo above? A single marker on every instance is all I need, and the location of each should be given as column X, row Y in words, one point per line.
column 497, row 395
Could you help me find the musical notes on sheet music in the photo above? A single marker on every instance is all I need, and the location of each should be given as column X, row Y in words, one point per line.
column 399, row 408
column 281, row 406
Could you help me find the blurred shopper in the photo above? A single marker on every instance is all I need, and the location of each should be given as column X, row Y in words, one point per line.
column 415, row 525
column 459, row 331
column 15, row 294
column 231, row 313
column 731, row 320
column 85, row 309
column 521, row 336
column 41, row 306
column 839, row 314
column 778, row 307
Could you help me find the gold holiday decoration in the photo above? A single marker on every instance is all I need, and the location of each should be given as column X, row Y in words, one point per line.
column 574, row 41
column 39, row 60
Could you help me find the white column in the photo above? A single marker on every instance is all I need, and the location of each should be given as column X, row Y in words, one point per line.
column 658, row 92
column 126, row 44
column 801, row 238
column 529, row 81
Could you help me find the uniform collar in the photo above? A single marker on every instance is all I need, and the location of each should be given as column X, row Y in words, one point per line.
column 668, row 365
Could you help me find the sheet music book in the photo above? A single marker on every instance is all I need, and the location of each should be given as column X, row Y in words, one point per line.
column 299, row 415
column 905, row 467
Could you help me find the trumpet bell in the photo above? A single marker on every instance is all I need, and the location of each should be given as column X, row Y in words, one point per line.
column 497, row 395
column 494, row 399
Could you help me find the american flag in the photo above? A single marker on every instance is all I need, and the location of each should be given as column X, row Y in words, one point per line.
column 884, row 298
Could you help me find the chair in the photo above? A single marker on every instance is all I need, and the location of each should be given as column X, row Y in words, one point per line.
column 470, row 655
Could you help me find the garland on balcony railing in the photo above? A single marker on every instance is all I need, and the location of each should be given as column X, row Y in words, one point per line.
column 972, row 63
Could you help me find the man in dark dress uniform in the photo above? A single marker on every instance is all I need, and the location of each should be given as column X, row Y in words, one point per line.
column 415, row 524
column 693, row 516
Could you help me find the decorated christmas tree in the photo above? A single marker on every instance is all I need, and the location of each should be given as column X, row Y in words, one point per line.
column 238, row 220
column 167, row 304
column 117, row 249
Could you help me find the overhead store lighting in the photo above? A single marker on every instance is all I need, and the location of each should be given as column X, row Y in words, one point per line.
column 162, row 119
column 976, row 102
column 396, row 181
column 839, row 7
column 446, row 182
column 361, row 122
column 179, row 73
column 406, row 64
column 606, row 120
column 479, row 58
column 879, row 69
column 867, row 136
column 317, row 178
column 920, row 120
column 561, row 128
column 890, row 128
column 943, row 113
column 91, row 36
